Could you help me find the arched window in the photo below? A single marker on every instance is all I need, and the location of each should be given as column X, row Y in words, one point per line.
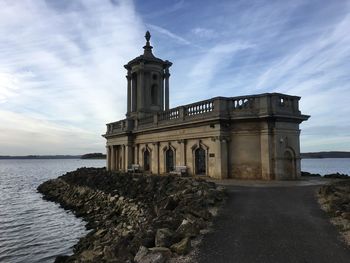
column 169, row 160
column 200, row 161
column 146, row 160
column 154, row 94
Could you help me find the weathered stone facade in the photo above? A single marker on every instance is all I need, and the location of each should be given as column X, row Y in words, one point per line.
column 250, row 137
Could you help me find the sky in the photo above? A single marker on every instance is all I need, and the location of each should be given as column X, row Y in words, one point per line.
column 62, row 76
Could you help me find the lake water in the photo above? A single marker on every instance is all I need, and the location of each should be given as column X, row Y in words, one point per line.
column 35, row 230
column 32, row 229
column 326, row 165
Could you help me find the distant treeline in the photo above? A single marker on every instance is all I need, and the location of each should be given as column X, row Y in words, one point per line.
column 93, row 156
column 333, row 154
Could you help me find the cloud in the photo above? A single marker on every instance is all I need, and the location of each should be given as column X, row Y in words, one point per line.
column 166, row 10
column 282, row 48
column 204, row 32
column 61, row 63
column 169, row 34
column 9, row 86
column 18, row 133
column 317, row 71
column 64, row 68
column 212, row 60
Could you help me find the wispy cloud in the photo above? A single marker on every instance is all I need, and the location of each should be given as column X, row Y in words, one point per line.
column 212, row 62
column 65, row 67
column 204, row 32
column 169, row 34
column 283, row 47
column 165, row 9
column 62, row 75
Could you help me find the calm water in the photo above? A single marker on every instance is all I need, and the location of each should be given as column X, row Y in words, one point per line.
column 31, row 229
column 326, row 166
column 34, row 230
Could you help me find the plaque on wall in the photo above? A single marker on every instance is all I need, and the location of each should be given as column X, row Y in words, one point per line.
column 211, row 154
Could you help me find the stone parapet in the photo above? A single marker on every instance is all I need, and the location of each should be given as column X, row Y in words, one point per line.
column 243, row 107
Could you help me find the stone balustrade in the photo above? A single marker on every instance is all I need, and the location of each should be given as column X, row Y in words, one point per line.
column 200, row 107
column 262, row 105
column 169, row 114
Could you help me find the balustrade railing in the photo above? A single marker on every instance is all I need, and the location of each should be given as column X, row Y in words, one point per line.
column 169, row 114
column 269, row 103
column 115, row 126
column 243, row 103
column 199, row 108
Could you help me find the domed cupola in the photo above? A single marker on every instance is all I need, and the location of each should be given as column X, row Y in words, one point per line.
column 148, row 83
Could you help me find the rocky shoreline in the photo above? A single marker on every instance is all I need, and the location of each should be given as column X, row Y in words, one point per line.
column 134, row 217
column 334, row 198
column 329, row 176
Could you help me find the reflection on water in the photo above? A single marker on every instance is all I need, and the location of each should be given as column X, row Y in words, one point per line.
column 32, row 229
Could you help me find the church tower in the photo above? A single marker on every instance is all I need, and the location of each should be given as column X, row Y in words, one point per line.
column 148, row 83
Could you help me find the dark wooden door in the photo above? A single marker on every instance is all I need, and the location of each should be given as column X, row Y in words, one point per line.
column 146, row 161
column 169, row 159
column 200, row 160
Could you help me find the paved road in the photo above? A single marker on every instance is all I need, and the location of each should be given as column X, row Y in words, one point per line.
column 272, row 224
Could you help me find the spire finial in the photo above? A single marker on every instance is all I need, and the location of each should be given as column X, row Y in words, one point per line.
column 148, row 36
column 148, row 47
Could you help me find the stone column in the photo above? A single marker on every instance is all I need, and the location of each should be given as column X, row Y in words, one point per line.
column 112, row 158
column 134, row 95
column 141, row 87
column 266, row 149
column 128, row 156
column 135, row 154
column 128, row 77
column 123, row 158
column 117, row 156
column 162, row 92
column 166, row 75
column 183, row 152
column 108, row 159
column 155, row 158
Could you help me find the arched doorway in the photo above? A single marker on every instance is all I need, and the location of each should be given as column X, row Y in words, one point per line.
column 169, row 160
column 288, row 165
column 146, row 160
column 200, row 161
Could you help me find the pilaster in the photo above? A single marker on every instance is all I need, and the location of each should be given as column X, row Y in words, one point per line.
column 113, row 162
column 162, row 92
column 166, row 91
column 222, row 157
column 155, row 158
column 108, row 159
column 123, row 158
column 183, row 152
column 128, row 77
column 141, row 87
column 128, row 156
column 266, row 153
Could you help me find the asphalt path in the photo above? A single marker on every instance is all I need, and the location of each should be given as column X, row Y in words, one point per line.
column 272, row 224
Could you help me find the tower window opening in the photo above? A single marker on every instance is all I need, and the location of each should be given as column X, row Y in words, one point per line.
column 154, row 91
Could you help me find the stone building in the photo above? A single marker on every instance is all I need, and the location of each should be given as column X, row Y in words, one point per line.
column 255, row 137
